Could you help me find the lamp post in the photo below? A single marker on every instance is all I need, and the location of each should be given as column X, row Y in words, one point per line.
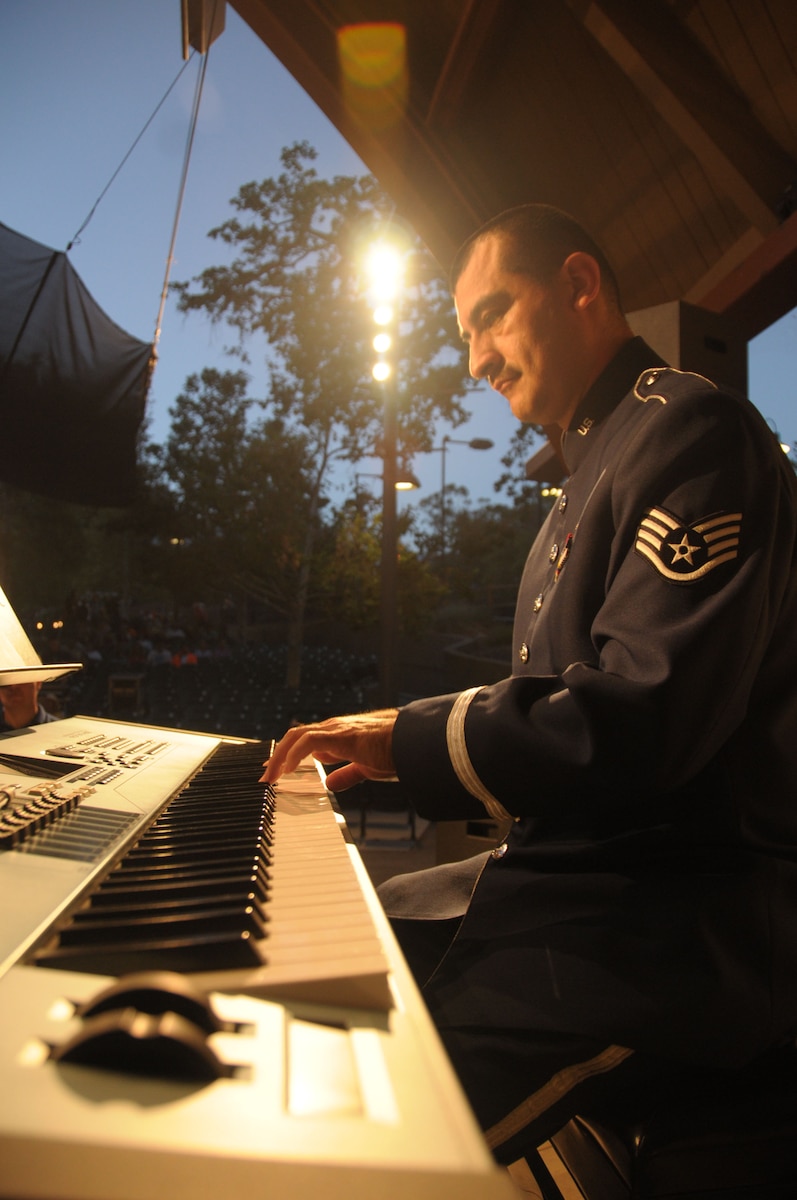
column 385, row 270
column 475, row 444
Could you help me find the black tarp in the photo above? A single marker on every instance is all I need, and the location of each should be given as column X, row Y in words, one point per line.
column 72, row 383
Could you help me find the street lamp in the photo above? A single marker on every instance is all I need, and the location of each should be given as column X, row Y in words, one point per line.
column 385, row 270
column 406, row 481
column 475, row 444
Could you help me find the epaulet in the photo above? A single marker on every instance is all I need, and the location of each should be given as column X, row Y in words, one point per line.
column 667, row 383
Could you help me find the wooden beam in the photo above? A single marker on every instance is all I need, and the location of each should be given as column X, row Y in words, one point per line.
column 761, row 289
column 734, row 257
column 202, row 22
column 675, row 74
column 407, row 160
column 456, row 74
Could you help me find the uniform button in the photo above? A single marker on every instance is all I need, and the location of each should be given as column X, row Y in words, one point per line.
column 499, row 851
column 562, row 502
column 523, row 653
column 538, row 603
column 553, row 553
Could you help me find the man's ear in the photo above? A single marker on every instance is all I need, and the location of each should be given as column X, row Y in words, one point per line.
column 581, row 275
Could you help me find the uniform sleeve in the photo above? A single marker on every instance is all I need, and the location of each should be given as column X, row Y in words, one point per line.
column 691, row 533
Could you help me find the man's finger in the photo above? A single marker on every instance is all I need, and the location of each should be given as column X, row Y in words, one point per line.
column 344, row 778
column 364, row 738
column 284, row 757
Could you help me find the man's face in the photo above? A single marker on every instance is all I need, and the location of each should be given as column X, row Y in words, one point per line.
column 20, row 703
column 522, row 336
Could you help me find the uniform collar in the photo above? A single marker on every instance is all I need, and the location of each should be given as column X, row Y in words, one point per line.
column 613, row 383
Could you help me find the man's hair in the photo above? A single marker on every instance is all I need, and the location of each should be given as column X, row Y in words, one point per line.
column 535, row 241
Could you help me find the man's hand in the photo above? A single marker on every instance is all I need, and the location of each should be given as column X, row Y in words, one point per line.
column 362, row 740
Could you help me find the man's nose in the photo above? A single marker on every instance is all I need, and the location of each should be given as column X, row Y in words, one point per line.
column 482, row 358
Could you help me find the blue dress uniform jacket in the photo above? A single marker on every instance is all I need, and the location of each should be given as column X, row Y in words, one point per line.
column 645, row 743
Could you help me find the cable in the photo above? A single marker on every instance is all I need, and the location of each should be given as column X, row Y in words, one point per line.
column 181, row 194
column 129, row 152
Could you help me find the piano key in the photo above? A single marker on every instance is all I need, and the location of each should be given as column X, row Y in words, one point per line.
column 227, row 848
column 215, row 952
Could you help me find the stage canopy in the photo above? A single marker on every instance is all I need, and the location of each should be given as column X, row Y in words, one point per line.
column 72, row 383
column 668, row 127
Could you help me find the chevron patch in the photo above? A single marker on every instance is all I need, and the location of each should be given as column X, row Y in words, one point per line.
column 685, row 553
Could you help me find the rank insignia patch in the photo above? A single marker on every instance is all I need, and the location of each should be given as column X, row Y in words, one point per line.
column 685, row 553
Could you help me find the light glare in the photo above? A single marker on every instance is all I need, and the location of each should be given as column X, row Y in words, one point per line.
column 385, row 269
column 382, row 343
column 383, row 314
column 375, row 77
column 381, row 371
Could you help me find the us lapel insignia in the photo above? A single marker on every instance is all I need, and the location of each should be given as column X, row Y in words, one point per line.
column 685, row 553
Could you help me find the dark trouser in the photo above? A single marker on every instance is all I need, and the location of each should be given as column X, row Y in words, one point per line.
column 523, row 1084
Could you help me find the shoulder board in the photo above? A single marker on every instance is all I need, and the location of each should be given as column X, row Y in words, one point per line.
column 667, row 383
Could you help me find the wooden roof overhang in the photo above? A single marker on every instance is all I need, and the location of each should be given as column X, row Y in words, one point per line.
column 669, row 128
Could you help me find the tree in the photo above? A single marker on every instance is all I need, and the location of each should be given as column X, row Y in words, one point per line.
column 485, row 547
column 296, row 279
column 238, row 482
column 349, row 569
column 52, row 552
column 491, row 544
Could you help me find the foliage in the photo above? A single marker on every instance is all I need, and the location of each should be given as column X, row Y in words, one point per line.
column 349, row 570
column 295, row 280
column 484, row 545
column 236, row 499
column 42, row 546
column 491, row 543
column 51, row 552
column 239, row 485
column 349, row 566
column 521, row 446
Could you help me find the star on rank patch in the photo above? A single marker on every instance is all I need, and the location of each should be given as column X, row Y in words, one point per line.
column 685, row 553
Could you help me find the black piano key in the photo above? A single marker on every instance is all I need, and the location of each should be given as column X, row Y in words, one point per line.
column 200, row 837
column 218, row 918
column 178, row 878
column 138, row 909
column 209, row 821
column 208, row 952
column 138, row 906
column 156, row 892
column 174, row 852
column 192, row 893
column 225, row 790
column 176, row 872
